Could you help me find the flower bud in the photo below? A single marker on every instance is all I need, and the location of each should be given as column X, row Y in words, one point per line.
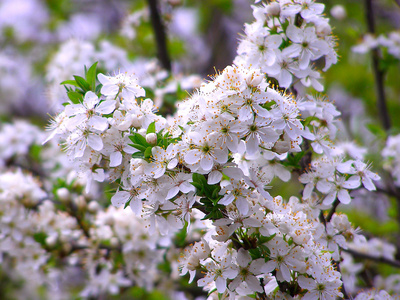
column 51, row 240
column 338, row 12
column 274, row 9
column 114, row 242
column 282, row 146
column 93, row 206
column 151, row 138
column 63, row 194
column 254, row 79
column 80, row 202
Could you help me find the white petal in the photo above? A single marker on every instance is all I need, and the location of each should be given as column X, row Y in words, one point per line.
column 136, row 206
column 344, row 196
column 206, row 163
column 192, row 156
column 106, row 107
column 91, row 100
column 95, row 142
column 214, row 177
column 98, row 123
column 115, row 159
column 172, row 192
column 120, row 198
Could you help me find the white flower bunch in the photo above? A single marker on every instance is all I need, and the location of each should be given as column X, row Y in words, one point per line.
column 390, row 42
column 286, row 40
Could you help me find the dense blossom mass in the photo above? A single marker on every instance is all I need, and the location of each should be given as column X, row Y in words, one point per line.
column 198, row 193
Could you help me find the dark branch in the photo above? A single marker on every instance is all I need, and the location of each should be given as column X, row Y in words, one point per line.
column 356, row 254
column 333, row 210
column 160, row 36
column 381, row 101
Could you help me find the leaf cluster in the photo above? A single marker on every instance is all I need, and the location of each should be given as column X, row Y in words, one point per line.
column 82, row 85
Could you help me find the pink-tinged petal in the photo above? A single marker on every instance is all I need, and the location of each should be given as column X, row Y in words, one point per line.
column 243, row 258
column 95, row 142
column 136, row 206
column 91, row 100
column 120, row 198
column 330, row 198
column 74, row 109
column 172, row 192
column 98, row 123
column 306, row 283
column 106, row 107
column 192, row 156
column 220, row 283
column 344, row 196
column 214, row 177
column 115, row 159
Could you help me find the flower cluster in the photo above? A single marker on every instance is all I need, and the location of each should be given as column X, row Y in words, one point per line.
column 286, row 41
column 390, row 43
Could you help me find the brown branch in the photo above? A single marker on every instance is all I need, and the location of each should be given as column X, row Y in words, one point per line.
column 356, row 254
column 160, row 36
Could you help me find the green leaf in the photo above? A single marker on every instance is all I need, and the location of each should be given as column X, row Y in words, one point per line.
column 151, row 128
column 139, row 147
column 82, row 83
column 75, row 97
column 197, row 185
column 40, row 237
column 70, row 82
column 147, row 152
column 127, row 203
column 138, row 155
column 91, row 76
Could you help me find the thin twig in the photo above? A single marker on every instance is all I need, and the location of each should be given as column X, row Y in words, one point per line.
column 356, row 254
column 381, row 101
column 160, row 36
